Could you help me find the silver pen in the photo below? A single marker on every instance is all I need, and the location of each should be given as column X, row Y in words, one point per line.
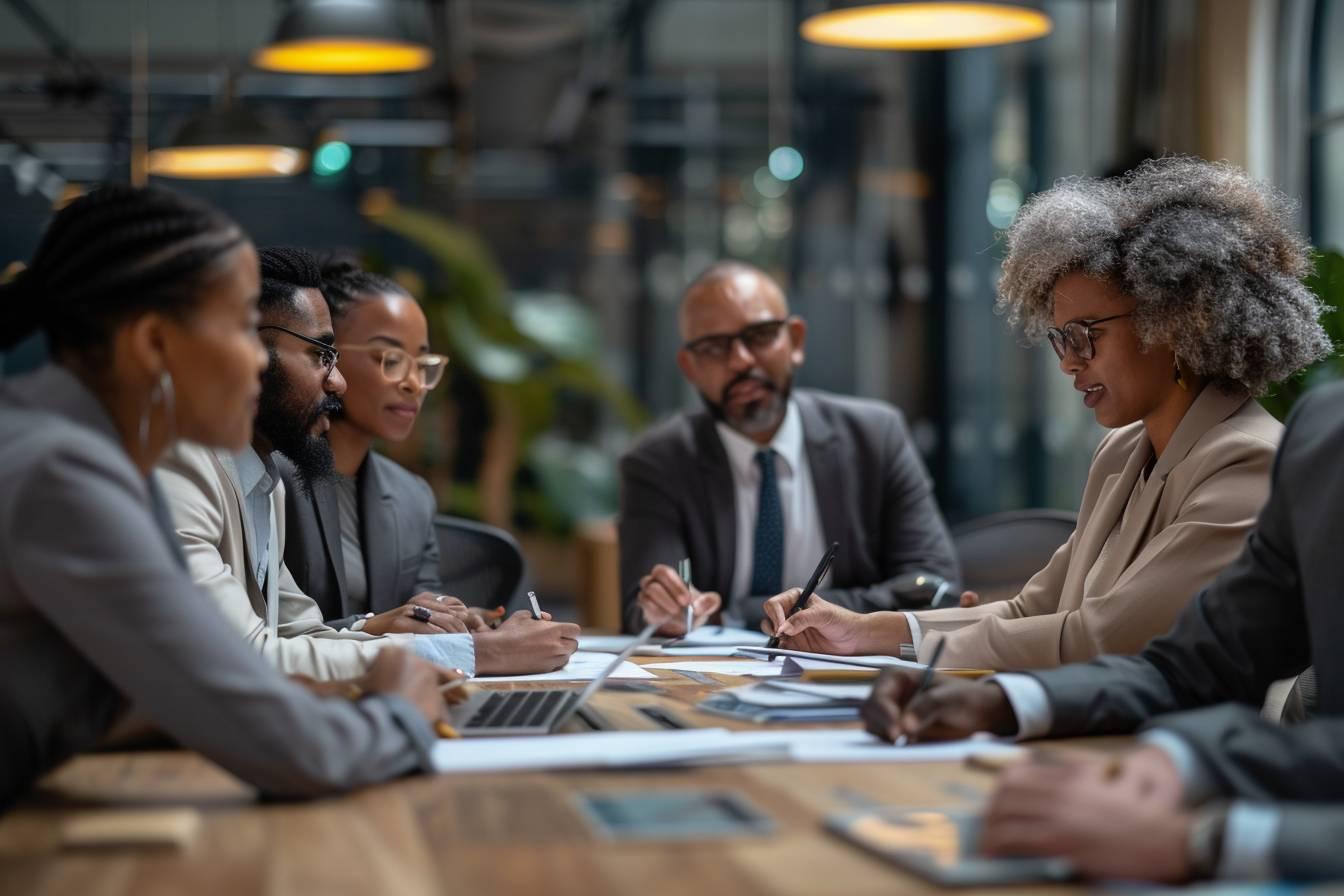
column 536, row 607
column 684, row 571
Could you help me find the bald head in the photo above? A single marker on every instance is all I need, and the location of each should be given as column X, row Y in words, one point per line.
column 729, row 288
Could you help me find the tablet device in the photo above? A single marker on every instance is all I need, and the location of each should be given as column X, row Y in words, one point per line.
column 673, row 814
column 942, row 846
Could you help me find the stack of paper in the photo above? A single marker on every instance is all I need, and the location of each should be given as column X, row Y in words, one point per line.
column 804, row 660
column 581, row 667
column 780, row 700
column 606, row 749
column 709, row 640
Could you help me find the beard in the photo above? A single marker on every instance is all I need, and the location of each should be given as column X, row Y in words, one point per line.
column 287, row 422
column 755, row 417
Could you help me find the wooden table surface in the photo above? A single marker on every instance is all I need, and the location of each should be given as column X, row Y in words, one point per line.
column 498, row 833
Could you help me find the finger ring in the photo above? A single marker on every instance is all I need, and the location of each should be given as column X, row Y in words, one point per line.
column 421, row 613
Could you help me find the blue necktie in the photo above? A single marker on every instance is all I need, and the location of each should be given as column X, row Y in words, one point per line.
column 767, row 558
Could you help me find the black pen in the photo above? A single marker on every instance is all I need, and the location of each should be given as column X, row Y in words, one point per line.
column 812, row 583
column 924, row 682
column 536, row 607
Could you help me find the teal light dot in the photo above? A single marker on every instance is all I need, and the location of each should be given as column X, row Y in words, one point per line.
column 786, row 163
column 331, row 158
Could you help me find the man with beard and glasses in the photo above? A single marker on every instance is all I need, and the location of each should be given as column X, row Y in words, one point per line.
column 754, row 488
column 229, row 513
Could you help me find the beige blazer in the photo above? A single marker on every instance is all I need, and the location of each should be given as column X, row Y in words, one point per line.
column 207, row 502
column 1184, row 525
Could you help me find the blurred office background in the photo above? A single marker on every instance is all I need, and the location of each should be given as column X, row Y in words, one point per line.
column 561, row 169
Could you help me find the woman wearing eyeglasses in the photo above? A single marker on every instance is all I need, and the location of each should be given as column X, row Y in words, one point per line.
column 1171, row 296
column 362, row 543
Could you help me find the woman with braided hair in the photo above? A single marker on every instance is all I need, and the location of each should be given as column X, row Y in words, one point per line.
column 1172, row 296
column 148, row 301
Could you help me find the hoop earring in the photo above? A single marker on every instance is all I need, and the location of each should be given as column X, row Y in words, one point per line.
column 161, row 393
column 1177, row 378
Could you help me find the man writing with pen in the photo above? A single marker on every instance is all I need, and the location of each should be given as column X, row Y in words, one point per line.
column 754, row 487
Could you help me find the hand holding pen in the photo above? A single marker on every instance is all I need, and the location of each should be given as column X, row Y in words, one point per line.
column 817, row 575
column 665, row 597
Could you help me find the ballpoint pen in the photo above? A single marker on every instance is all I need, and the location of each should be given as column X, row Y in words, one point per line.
column 684, row 571
column 812, row 583
column 536, row 607
column 924, row 682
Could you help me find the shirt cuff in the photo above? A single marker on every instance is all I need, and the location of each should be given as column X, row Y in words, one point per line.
column 1248, row 842
column 455, row 651
column 1030, row 704
column 916, row 633
column 1197, row 785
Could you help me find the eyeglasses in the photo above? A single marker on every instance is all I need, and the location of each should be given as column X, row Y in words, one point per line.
column 1076, row 336
column 718, row 346
column 326, row 354
column 397, row 364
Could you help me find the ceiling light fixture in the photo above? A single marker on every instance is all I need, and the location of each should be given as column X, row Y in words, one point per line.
column 343, row 37
column 227, row 142
column 925, row 26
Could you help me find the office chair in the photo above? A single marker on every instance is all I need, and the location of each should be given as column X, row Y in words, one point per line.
column 481, row 564
column 1000, row 552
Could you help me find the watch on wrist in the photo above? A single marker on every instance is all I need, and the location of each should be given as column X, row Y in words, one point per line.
column 1204, row 846
column 360, row 622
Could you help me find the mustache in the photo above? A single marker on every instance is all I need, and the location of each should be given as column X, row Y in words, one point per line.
column 331, row 406
column 749, row 376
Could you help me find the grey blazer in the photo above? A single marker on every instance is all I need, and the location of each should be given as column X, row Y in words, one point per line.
column 401, row 552
column 873, row 494
column 97, row 613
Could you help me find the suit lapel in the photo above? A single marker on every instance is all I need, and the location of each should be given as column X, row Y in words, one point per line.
column 380, row 537
column 328, row 511
column 718, row 495
column 230, row 468
column 1210, row 408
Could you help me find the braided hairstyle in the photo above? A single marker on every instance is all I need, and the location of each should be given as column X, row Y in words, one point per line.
column 112, row 254
column 344, row 283
column 284, row 271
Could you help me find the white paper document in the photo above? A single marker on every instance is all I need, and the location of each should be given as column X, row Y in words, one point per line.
column 605, row 749
column 855, row 745
column 866, row 662
column 720, row 636
column 709, row 640
column 582, row 666
column 749, row 668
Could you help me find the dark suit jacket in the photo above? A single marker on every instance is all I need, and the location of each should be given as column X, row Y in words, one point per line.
column 873, row 494
column 396, row 516
column 1278, row 608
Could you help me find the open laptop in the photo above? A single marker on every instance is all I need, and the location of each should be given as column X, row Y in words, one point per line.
column 501, row 713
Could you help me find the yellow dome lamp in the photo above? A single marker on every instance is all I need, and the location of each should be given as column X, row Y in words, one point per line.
column 227, row 142
column 343, row 37
column 934, row 25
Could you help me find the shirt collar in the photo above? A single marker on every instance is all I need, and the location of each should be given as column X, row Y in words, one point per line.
column 788, row 443
column 256, row 473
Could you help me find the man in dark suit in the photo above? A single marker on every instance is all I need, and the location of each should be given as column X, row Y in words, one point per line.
column 755, row 487
column 1194, row 691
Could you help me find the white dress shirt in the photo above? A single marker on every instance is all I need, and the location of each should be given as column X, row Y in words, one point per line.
column 804, row 541
column 258, row 476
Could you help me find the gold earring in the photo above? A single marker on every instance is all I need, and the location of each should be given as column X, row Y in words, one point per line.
column 1178, row 379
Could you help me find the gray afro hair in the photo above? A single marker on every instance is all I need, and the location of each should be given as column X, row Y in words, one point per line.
column 1210, row 255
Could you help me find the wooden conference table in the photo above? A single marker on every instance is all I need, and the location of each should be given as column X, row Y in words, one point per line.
column 496, row 833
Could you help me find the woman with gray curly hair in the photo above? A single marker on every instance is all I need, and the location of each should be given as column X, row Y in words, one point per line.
column 1171, row 296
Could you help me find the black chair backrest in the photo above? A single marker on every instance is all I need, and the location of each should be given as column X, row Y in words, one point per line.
column 1000, row 552
column 481, row 564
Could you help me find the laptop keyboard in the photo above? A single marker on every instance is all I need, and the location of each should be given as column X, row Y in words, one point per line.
column 518, row 709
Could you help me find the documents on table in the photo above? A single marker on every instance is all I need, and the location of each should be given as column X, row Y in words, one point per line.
column 749, row 668
column 582, row 666
column 694, row 746
column 605, row 749
column 779, row 700
column 868, row 662
column 710, row 640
